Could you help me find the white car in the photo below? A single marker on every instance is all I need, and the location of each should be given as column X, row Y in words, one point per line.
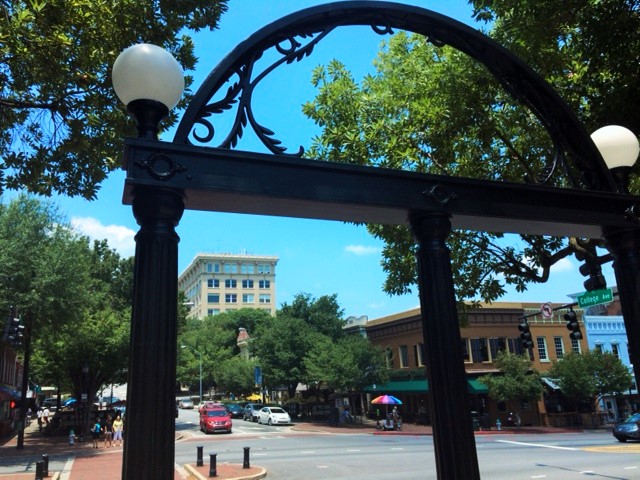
column 274, row 416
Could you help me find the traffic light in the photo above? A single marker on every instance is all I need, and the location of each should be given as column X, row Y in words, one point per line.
column 592, row 268
column 525, row 335
column 572, row 325
column 14, row 332
column 13, row 404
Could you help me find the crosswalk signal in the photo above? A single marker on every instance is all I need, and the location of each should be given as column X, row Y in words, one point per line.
column 572, row 325
column 525, row 335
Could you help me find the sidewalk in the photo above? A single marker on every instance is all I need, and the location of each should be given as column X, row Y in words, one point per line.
column 103, row 463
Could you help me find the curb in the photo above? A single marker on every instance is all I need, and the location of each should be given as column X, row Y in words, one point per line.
column 262, row 473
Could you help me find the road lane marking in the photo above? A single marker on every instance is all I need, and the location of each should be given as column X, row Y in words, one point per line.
column 354, row 450
column 539, row 476
column 540, row 445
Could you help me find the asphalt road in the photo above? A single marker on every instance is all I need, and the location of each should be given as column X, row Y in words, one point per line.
column 289, row 454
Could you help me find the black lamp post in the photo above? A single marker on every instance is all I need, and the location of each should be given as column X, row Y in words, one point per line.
column 619, row 148
column 164, row 178
column 150, row 82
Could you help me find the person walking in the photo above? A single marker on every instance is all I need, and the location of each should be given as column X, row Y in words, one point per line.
column 118, row 427
column 108, row 432
column 45, row 416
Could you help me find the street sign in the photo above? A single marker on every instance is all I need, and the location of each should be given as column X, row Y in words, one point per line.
column 596, row 297
column 547, row 310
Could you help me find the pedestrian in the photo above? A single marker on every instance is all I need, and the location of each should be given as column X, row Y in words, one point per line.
column 95, row 433
column 39, row 414
column 45, row 416
column 118, row 427
column 108, row 432
column 29, row 415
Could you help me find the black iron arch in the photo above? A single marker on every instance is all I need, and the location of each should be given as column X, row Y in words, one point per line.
column 295, row 36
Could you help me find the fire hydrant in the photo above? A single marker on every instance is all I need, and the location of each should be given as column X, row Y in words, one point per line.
column 498, row 424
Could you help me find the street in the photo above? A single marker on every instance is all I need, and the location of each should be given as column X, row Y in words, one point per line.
column 293, row 454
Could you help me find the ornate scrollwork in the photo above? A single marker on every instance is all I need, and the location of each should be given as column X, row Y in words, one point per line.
column 161, row 166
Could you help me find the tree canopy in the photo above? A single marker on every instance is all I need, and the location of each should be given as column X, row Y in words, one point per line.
column 60, row 123
column 517, row 379
column 584, row 377
column 433, row 109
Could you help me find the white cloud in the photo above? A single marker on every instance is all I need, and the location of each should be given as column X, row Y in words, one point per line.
column 563, row 265
column 119, row 238
column 361, row 250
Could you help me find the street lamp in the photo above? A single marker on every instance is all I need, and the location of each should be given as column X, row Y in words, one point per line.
column 619, row 149
column 149, row 81
column 200, row 356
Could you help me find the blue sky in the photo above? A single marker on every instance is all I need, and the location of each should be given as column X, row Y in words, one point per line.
column 316, row 257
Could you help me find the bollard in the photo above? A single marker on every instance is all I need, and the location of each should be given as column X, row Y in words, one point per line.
column 199, row 462
column 245, row 463
column 45, row 465
column 213, row 470
column 498, row 424
column 39, row 475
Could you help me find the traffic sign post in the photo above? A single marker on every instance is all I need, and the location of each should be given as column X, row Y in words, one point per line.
column 596, row 297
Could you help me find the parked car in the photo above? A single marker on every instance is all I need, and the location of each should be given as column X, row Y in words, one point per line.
column 274, row 416
column 186, row 403
column 251, row 411
column 51, row 403
column 209, row 404
column 215, row 420
column 629, row 429
column 234, row 410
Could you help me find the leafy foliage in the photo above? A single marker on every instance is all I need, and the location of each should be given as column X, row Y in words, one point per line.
column 60, row 123
column 583, row 377
column 516, row 380
column 433, row 109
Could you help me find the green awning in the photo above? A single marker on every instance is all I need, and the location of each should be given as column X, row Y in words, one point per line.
column 419, row 386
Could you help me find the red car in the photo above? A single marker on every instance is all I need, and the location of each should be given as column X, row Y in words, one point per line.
column 215, row 420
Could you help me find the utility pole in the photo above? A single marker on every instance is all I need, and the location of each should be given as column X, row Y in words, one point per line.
column 24, row 401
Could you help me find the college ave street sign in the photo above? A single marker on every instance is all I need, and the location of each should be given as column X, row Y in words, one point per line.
column 595, row 297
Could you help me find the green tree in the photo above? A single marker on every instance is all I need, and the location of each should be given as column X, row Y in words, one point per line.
column 237, row 375
column 60, row 124
column 584, row 377
column 517, row 379
column 433, row 109
column 348, row 365
column 279, row 347
column 323, row 314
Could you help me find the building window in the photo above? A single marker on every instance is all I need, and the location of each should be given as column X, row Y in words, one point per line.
column 403, row 352
column 213, row 311
column 480, row 350
column 418, row 352
column 575, row 346
column 247, row 283
column 599, row 347
column 230, row 283
column 230, row 268
column 213, row 283
column 542, row 349
column 497, row 345
column 248, row 268
column 559, row 346
column 247, row 298
column 213, row 298
column 264, row 284
column 213, row 267
column 231, row 298
column 264, row 268
column 389, row 357
column 265, row 298
column 466, row 350
column 615, row 350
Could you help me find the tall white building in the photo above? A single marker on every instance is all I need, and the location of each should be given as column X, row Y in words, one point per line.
column 219, row 282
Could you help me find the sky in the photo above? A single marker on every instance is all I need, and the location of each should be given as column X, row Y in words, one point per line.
column 315, row 257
